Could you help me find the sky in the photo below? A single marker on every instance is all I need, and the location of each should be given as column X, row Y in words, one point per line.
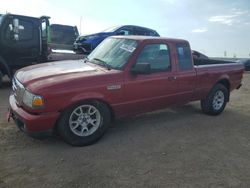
column 217, row 28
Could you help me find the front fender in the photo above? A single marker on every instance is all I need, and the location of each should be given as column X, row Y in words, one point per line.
column 86, row 96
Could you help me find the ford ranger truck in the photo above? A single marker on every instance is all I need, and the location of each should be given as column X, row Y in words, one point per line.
column 123, row 76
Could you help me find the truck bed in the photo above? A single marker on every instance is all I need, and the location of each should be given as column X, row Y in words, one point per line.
column 209, row 74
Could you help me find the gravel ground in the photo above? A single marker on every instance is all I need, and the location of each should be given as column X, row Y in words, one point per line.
column 177, row 147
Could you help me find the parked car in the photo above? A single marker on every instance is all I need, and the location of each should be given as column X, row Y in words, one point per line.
column 87, row 43
column 246, row 63
column 123, row 76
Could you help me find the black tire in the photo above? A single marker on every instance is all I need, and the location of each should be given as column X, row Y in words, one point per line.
column 1, row 78
column 65, row 130
column 210, row 107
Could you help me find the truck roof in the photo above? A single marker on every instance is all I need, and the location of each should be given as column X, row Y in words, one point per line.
column 23, row 16
column 143, row 38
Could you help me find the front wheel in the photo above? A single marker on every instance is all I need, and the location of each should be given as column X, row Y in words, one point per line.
column 216, row 100
column 84, row 123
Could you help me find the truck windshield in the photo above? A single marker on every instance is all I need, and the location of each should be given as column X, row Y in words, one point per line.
column 111, row 29
column 1, row 16
column 113, row 53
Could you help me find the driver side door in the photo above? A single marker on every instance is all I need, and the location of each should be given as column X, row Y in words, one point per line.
column 147, row 92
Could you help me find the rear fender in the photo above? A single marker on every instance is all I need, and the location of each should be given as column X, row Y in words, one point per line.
column 224, row 80
column 223, row 77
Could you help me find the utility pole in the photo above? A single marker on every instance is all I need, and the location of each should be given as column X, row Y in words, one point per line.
column 225, row 53
column 81, row 25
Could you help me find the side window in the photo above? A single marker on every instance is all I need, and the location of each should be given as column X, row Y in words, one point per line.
column 184, row 57
column 140, row 31
column 152, row 33
column 157, row 55
column 25, row 30
column 126, row 31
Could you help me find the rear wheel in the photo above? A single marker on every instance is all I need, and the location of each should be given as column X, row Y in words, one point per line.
column 1, row 78
column 84, row 123
column 216, row 100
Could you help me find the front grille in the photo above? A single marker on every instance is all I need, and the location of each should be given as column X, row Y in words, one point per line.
column 18, row 90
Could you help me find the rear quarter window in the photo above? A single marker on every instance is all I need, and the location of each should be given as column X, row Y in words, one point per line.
column 184, row 57
column 153, row 33
column 140, row 31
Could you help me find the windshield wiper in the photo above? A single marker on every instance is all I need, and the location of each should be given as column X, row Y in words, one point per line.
column 104, row 63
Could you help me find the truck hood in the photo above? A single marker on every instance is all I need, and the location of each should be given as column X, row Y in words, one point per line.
column 56, row 71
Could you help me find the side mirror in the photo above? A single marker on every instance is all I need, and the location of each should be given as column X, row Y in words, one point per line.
column 16, row 25
column 141, row 68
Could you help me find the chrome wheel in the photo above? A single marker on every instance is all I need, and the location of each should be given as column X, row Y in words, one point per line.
column 85, row 120
column 218, row 100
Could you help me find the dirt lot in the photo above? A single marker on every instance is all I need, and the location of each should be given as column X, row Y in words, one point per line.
column 177, row 147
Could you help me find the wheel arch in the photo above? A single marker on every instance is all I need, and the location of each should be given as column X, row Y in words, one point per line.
column 225, row 82
column 96, row 100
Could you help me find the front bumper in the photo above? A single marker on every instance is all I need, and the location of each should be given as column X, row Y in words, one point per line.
column 34, row 125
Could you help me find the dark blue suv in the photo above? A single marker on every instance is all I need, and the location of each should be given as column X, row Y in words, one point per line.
column 85, row 44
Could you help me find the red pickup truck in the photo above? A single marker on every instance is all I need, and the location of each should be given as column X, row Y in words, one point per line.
column 123, row 76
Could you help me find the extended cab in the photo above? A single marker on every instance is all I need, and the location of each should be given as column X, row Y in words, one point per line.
column 123, row 76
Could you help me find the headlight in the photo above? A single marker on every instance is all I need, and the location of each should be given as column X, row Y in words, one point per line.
column 31, row 100
column 80, row 38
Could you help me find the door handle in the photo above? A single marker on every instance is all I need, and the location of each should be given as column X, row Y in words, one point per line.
column 172, row 78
